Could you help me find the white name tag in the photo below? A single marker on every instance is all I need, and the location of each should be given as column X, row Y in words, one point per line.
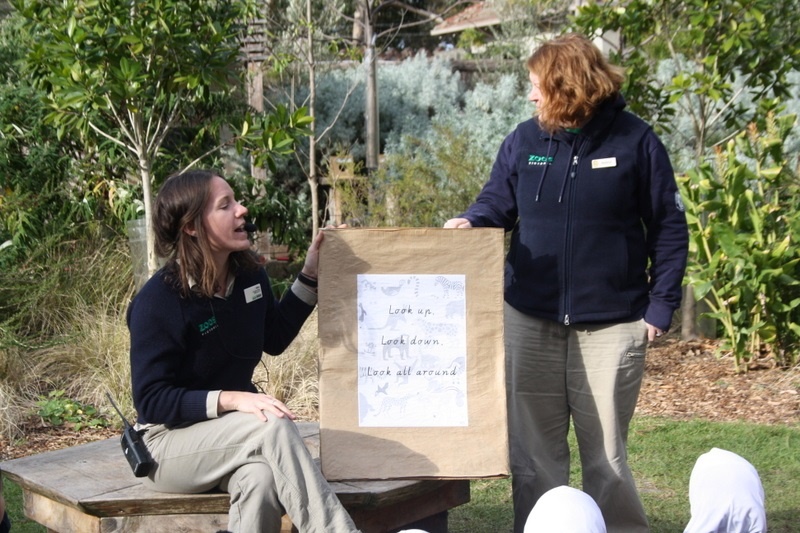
column 607, row 162
column 253, row 293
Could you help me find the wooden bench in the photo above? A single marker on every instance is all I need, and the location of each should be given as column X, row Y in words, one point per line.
column 89, row 488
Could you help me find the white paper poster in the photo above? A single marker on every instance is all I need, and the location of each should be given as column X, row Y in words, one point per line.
column 412, row 350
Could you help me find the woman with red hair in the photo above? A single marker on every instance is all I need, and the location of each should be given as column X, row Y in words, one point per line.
column 598, row 252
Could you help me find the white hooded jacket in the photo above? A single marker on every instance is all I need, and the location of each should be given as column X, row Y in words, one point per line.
column 565, row 510
column 726, row 495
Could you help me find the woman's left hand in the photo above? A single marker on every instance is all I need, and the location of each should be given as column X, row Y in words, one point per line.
column 251, row 402
column 653, row 332
column 311, row 265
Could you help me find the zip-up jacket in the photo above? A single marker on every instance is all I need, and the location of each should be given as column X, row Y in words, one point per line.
column 598, row 228
column 183, row 348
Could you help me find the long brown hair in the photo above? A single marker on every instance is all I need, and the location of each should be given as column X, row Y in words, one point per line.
column 574, row 77
column 179, row 205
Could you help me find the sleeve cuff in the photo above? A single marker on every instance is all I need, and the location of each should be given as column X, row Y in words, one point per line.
column 302, row 291
column 212, row 401
column 658, row 315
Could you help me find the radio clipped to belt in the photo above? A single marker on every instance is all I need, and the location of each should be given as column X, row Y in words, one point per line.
column 133, row 446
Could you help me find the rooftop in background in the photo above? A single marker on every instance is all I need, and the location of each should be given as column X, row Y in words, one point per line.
column 478, row 15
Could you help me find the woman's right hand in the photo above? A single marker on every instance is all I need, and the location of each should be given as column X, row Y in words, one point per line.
column 251, row 402
column 458, row 223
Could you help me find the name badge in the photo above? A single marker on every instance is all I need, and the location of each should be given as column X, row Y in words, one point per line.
column 607, row 162
column 253, row 293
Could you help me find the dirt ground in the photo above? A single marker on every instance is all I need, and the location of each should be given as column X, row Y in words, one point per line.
column 683, row 380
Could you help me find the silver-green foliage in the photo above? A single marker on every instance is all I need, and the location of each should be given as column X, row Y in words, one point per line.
column 410, row 94
column 489, row 113
column 680, row 134
column 422, row 186
column 414, row 95
column 441, row 145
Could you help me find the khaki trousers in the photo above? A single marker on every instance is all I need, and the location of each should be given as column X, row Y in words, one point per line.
column 591, row 374
column 264, row 466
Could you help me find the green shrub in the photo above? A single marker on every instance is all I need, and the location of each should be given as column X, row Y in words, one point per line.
column 743, row 220
column 59, row 410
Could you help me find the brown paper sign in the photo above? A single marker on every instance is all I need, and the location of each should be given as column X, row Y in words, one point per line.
column 411, row 354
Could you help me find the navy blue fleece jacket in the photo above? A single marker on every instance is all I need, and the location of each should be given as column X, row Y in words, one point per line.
column 598, row 228
column 183, row 348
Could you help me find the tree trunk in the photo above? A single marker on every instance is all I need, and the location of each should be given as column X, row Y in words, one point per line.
column 373, row 128
column 694, row 327
column 689, row 330
column 255, row 97
column 147, row 192
column 313, row 180
column 255, row 52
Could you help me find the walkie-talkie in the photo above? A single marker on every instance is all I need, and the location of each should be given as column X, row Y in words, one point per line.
column 133, row 446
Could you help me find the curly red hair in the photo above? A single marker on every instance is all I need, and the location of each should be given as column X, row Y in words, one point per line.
column 574, row 77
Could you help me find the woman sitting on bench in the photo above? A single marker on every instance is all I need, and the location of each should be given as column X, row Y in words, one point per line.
column 198, row 329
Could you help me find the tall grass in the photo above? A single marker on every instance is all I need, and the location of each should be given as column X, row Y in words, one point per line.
column 63, row 327
column 292, row 376
column 95, row 352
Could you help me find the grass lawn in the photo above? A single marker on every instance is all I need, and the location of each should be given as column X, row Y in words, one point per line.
column 662, row 454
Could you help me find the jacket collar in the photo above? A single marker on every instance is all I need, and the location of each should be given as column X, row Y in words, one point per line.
column 600, row 122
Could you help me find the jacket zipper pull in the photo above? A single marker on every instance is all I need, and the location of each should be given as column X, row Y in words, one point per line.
column 566, row 320
column 574, row 167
